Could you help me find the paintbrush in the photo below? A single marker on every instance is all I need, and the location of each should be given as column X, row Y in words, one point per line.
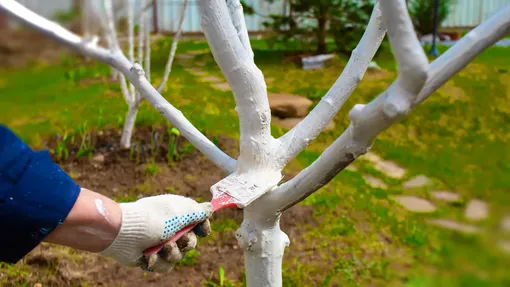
column 234, row 191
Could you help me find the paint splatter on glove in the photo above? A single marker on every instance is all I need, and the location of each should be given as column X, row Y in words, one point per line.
column 150, row 221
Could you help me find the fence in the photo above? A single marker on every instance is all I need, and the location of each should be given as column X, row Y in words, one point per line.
column 470, row 13
column 168, row 15
column 464, row 13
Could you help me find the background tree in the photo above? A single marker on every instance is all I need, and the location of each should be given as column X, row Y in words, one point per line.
column 143, row 50
column 422, row 14
column 316, row 20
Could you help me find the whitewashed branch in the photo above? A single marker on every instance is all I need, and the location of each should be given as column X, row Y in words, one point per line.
column 113, row 44
column 246, row 81
column 173, row 48
column 141, row 35
column 147, row 48
column 295, row 140
column 129, row 95
column 110, row 25
column 367, row 121
column 131, row 38
column 464, row 51
column 132, row 71
column 237, row 15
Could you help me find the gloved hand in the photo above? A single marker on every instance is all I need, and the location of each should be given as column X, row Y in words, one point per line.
column 149, row 222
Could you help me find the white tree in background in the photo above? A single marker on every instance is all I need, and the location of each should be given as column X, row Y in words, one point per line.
column 262, row 157
column 108, row 19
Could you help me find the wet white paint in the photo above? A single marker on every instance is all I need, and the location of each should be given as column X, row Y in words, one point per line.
column 100, row 208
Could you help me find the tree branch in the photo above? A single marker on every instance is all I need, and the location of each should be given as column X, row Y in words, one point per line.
column 141, row 35
column 133, row 72
column 113, row 42
column 131, row 39
column 236, row 14
column 173, row 49
column 147, row 48
column 295, row 140
column 464, row 51
column 246, row 81
column 110, row 25
column 366, row 121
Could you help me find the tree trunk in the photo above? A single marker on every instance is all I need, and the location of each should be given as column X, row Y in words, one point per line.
column 263, row 243
column 155, row 22
column 321, row 33
column 129, row 125
column 76, row 5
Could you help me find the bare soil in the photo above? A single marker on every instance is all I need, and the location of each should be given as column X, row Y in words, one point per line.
column 123, row 174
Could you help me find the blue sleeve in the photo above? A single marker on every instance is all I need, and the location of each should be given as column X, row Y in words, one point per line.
column 35, row 196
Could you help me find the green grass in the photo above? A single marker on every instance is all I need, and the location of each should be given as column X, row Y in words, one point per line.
column 460, row 137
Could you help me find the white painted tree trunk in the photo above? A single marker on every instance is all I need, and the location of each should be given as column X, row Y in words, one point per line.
column 173, row 49
column 129, row 124
column 143, row 56
column 264, row 244
column 262, row 156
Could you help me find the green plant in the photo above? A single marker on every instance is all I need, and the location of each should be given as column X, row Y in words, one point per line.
column 422, row 14
column 119, row 121
column 222, row 280
column 222, row 276
column 86, row 147
column 190, row 258
column 151, row 168
column 61, row 151
column 187, row 148
column 172, row 153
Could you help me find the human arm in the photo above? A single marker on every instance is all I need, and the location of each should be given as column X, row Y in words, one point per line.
column 92, row 224
column 39, row 201
column 123, row 231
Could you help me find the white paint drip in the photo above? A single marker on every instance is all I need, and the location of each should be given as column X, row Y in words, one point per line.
column 100, row 208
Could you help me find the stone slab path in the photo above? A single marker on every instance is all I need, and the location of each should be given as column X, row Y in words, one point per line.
column 454, row 225
column 375, row 182
column 415, row 204
column 476, row 210
column 417, row 182
column 390, row 169
column 446, row 196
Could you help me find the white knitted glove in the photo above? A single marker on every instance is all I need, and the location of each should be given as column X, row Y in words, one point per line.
column 149, row 222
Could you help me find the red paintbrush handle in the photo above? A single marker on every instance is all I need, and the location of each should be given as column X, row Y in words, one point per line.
column 223, row 201
column 179, row 234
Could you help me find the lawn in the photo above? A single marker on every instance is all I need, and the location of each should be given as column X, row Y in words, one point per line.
column 351, row 234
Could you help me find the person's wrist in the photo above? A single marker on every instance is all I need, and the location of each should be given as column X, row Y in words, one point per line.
column 132, row 236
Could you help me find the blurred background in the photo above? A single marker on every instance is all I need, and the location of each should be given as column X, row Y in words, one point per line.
column 429, row 205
